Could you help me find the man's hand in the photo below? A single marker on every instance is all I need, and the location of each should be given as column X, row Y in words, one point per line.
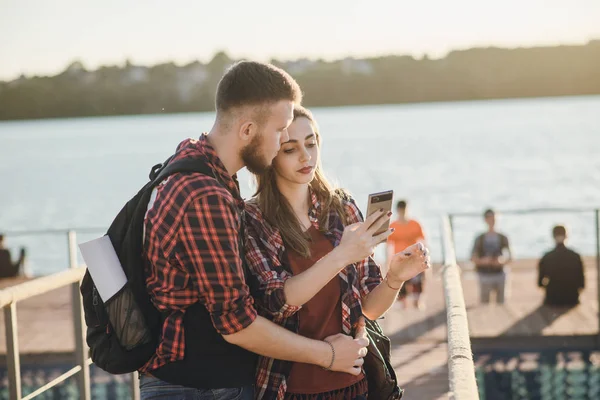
column 349, row 353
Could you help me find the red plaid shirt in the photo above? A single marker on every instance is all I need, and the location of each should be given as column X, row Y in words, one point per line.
column 191, row 245
column 267, row 262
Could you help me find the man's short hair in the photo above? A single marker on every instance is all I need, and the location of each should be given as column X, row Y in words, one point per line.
column 255, row 83
column 559, row 230
column 488, row 213
column 401, row 204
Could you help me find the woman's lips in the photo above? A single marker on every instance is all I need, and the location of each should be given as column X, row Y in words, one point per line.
column 306, row 170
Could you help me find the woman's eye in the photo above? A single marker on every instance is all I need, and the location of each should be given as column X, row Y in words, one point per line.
column 288, row 151
column 311, row 145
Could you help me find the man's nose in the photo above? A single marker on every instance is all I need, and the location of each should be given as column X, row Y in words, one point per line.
column 284, row 137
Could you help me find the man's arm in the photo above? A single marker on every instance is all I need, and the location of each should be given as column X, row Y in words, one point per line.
column 541, row 272
column 475, row 259
column 209, row 233
column 580, row 271
column 270, row 340
column 506, row 257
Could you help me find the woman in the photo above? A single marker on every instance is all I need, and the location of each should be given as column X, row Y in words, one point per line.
column 311, row 271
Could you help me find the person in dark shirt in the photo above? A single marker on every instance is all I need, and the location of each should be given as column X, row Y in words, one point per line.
column 561, row 272
column 491, row 255
column 8, row 269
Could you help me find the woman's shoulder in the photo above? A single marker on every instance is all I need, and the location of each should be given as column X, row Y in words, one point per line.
column 252, row 209
column 353, row 213
column 345, row 197
column 255, row 219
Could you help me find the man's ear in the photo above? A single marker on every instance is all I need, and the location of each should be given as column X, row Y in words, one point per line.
column 247, row 131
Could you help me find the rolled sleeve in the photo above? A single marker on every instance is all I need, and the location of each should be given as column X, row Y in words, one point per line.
column 369, row 276
column 268, row 290
column 209, row 231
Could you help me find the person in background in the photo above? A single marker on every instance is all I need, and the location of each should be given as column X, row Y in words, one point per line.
column 8, row 269
column 406, row 233
column 561, row 273
column 491, row 253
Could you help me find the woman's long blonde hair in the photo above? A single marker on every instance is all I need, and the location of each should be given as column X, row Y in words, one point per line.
column 277, row 210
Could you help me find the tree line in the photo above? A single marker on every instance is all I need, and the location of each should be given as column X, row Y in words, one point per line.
column 473, row 74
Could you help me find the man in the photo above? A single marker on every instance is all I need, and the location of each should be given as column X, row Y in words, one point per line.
column 491, row 253
column 195, row 273
column 8, row 269
column 561, row 272
column 406, row 233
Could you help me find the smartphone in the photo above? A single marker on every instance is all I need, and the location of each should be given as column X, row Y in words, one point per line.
column 377, row 201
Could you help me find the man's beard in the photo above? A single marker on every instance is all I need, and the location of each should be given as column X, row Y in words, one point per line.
column 252, row 156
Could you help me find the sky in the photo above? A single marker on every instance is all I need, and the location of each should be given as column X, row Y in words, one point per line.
column 42, row 37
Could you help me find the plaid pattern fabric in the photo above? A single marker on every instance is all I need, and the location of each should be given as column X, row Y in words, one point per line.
column 265, row 254
column 192, row 252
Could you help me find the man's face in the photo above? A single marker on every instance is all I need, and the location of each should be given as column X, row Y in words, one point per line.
column 401, row 211
column 490, row 220
column 264, row 146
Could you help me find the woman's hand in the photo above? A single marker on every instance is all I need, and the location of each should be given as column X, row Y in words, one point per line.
column 358, row 241
column 409, row 263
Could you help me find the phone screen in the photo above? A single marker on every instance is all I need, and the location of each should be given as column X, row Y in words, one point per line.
column 377, row 201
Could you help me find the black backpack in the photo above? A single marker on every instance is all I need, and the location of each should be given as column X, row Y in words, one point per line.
column 123, row 332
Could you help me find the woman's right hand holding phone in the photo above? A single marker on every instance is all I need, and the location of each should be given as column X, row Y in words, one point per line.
column 358, row 241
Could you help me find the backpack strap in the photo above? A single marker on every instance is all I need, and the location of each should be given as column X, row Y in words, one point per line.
column 161, row 171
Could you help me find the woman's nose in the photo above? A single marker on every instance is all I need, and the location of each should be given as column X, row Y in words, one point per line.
column 305, row 155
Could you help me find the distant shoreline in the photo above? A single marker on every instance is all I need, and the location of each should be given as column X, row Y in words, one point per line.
column 463, row 75
column 433, row 102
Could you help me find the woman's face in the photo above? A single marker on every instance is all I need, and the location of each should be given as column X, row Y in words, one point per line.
column 299, row 156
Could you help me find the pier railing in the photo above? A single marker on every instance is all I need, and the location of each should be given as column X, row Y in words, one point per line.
column 461, row 368
column 9, row 298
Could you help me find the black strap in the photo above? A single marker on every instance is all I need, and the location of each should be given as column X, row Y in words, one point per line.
column 160, row 172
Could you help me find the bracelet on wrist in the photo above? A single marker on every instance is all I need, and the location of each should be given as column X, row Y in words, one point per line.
column 387, row 282
column 332, row 356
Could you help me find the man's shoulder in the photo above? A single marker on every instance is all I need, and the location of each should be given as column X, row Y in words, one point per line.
column 415, row 223
column 195, row 186
column 182, row 190
column 573, row 252
column 479, row 236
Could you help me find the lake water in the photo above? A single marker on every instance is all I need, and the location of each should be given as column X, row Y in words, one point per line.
column 442, row 157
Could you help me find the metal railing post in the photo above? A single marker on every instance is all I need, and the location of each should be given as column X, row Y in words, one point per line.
column 597, row 212
column 12, row 351
column 135, row 386
column 83, row 378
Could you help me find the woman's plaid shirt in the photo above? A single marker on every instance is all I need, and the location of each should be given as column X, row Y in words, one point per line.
column 267, row 262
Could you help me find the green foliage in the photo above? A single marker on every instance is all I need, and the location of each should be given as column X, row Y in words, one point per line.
column 481, row 73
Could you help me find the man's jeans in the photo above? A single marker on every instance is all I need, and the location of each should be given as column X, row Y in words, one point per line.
column 152, row 388
column 489, row 282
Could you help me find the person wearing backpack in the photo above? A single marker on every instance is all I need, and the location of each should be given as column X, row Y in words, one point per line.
column 195, row 273
column 491, row 253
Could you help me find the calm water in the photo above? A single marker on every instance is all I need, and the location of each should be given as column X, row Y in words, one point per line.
column 443, row 157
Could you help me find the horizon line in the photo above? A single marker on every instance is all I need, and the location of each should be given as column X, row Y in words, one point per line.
column 364, row 56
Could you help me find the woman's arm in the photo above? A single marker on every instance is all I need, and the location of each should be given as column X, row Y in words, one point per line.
column 404, row 266
column 281, row 294
column 357, row 244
